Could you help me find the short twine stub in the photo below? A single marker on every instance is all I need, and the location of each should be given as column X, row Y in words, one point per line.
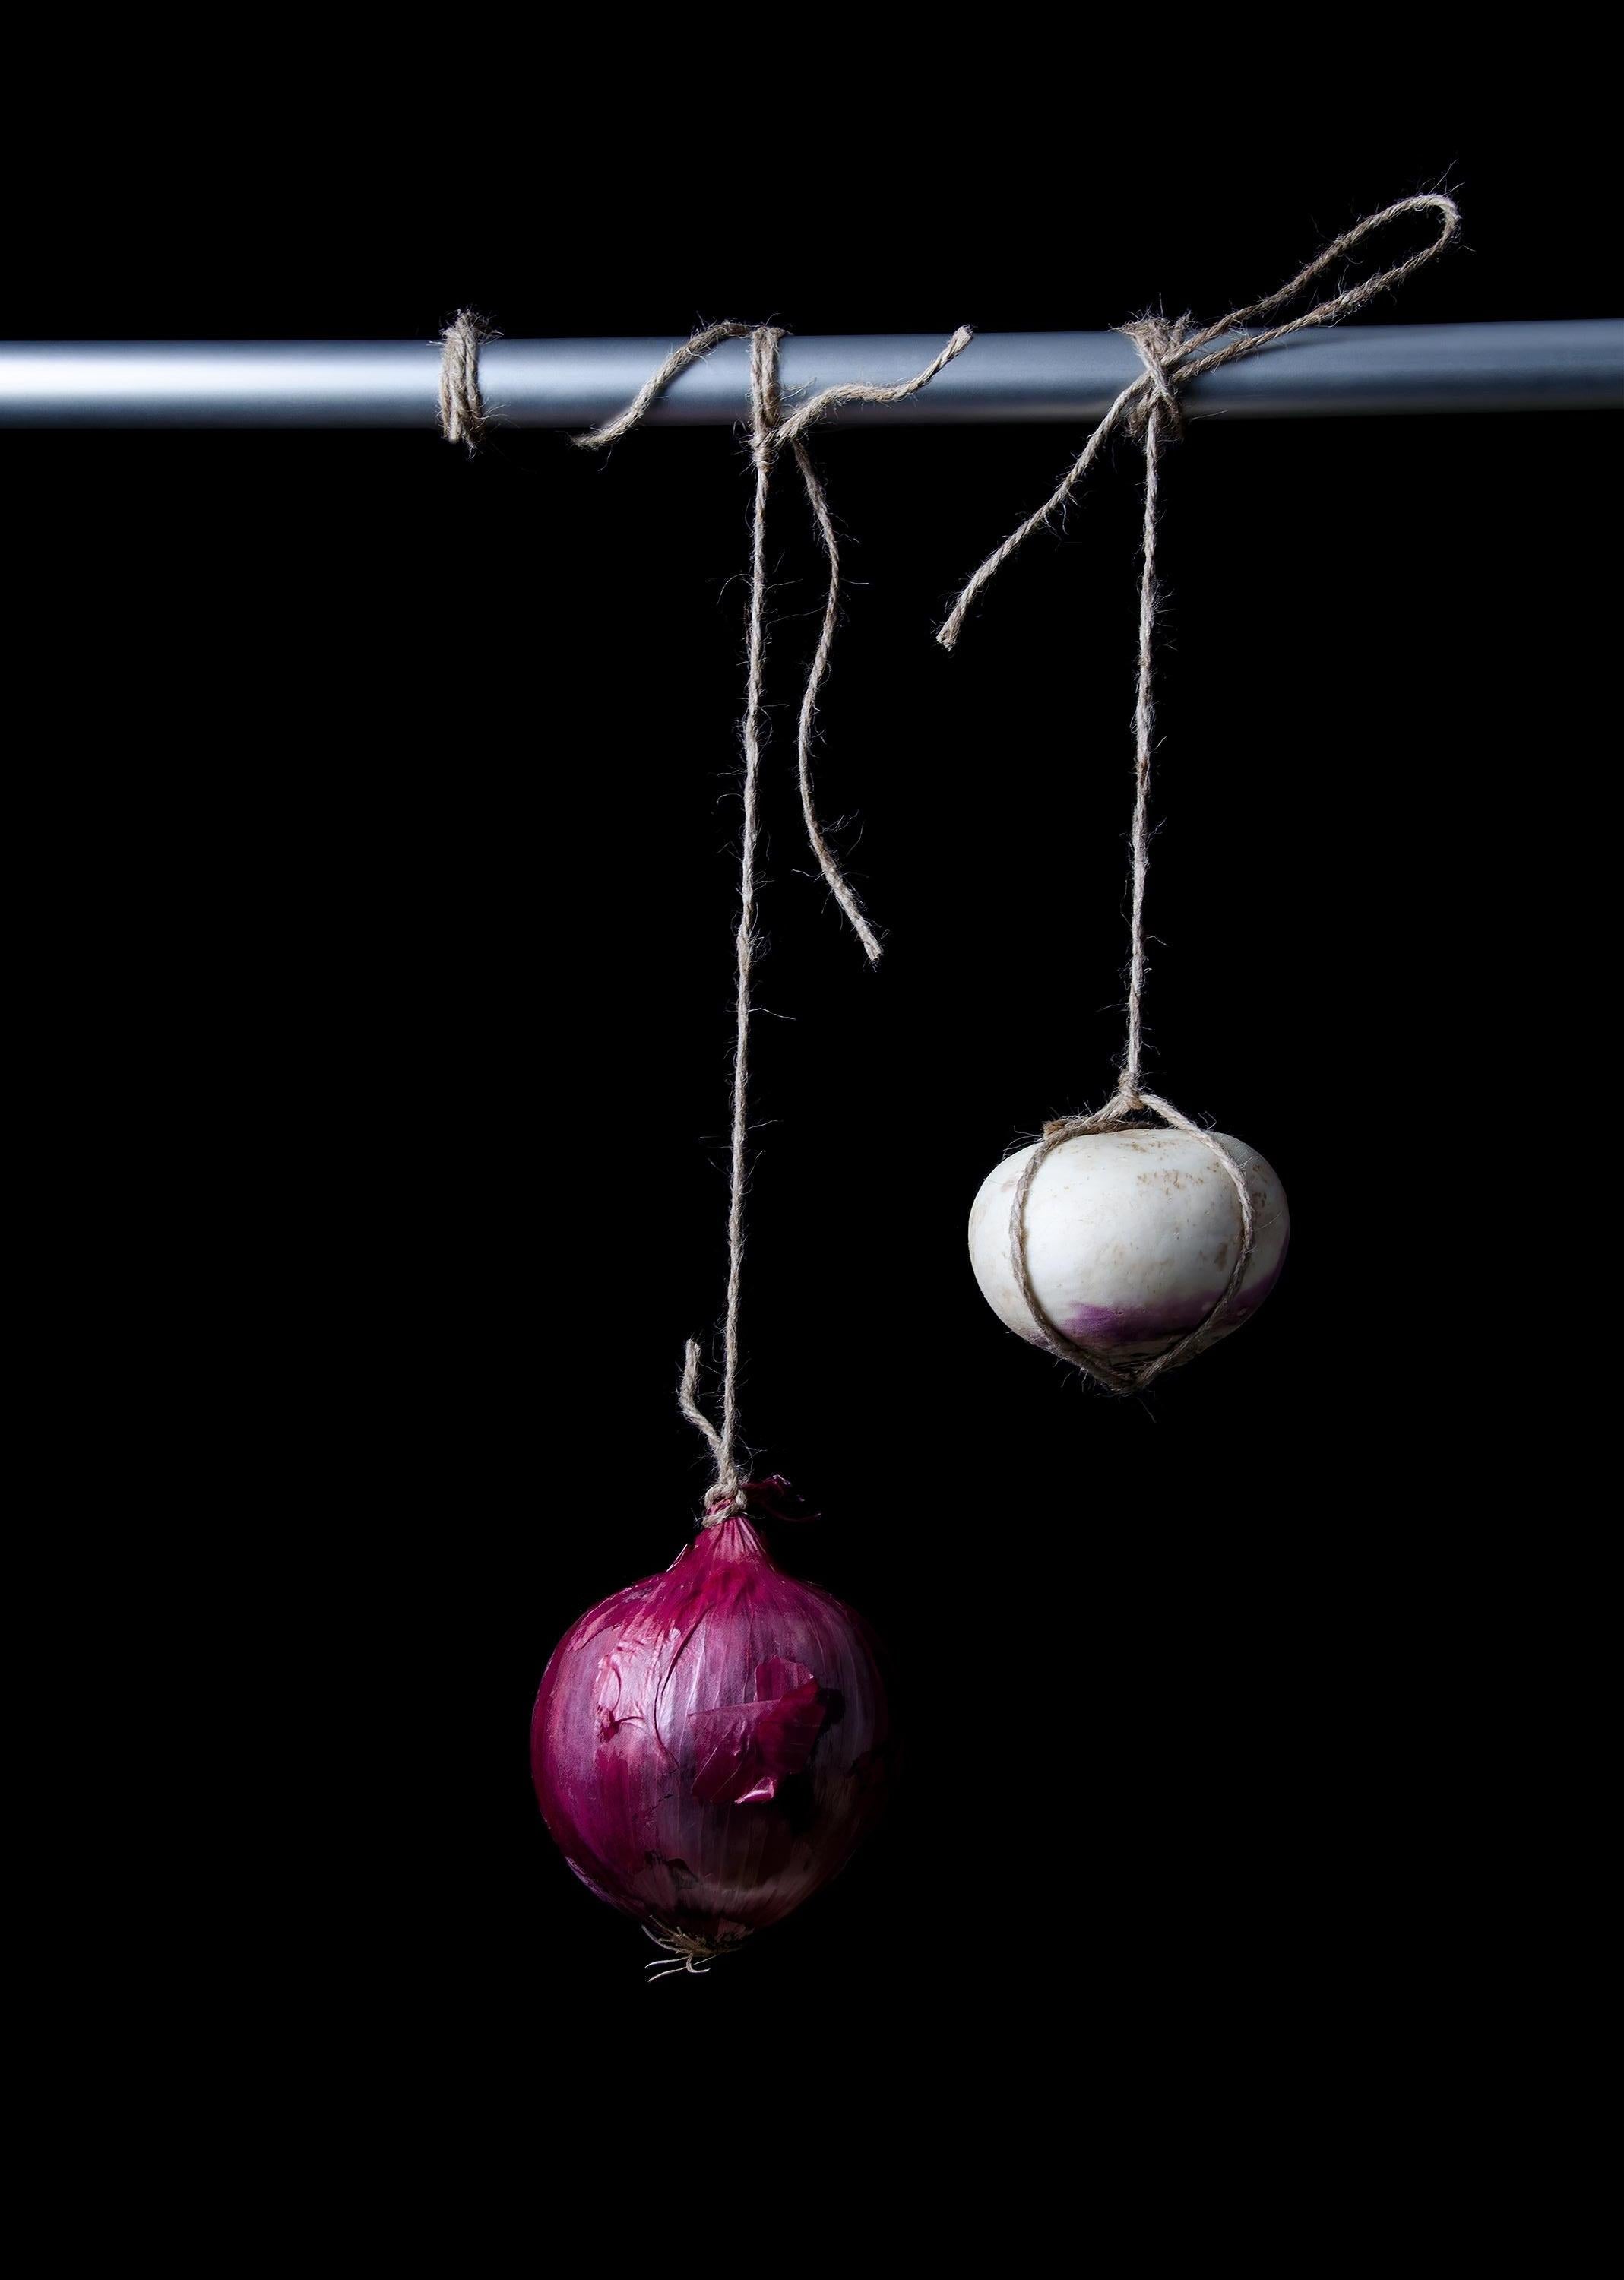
column 771, row 429
column 1172, row 354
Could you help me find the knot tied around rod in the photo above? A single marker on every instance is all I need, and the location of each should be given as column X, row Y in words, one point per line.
column 1157, row 342
column 462, row 405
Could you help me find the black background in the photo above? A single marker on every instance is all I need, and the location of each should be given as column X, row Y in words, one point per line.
column 376, row 968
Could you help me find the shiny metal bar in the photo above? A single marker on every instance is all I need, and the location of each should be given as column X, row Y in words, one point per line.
column 1002, row 376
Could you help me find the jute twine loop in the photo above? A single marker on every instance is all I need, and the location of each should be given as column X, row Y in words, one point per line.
column 1150, row 409
column 770, row 432
column 462, row 407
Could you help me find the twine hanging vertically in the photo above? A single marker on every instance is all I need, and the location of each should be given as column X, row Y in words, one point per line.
column 1171, row 356
column 771, row 430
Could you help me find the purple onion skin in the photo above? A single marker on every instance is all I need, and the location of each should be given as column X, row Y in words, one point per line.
column 709, row 1745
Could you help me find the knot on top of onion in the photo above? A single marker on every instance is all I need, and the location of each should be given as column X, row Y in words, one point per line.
column 709, row 1744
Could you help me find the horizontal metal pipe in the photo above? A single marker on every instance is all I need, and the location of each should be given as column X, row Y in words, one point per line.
column 1002, row 376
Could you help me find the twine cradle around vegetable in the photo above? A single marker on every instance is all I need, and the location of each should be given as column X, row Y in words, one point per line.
column 771, row 429
column 1172, row 355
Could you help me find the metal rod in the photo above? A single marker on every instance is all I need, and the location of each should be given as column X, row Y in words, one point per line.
column 1002, row 377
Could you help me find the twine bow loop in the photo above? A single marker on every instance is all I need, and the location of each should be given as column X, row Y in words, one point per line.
column 1172, row 356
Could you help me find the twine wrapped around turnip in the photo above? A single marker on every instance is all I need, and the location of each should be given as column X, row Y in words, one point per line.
column 1125, row 1250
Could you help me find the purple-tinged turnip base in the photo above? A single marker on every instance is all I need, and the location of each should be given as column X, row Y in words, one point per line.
column 1129, row 1331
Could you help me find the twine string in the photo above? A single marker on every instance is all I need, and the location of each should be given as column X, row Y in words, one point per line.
column 1172, row 355
column 770, row 432
column 793, row 431
column 1155, row 341
column 688, row 351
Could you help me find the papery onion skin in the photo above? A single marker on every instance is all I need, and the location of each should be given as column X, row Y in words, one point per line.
column 709, row 1744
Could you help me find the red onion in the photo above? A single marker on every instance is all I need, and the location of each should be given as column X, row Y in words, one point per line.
column 709, row 1744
